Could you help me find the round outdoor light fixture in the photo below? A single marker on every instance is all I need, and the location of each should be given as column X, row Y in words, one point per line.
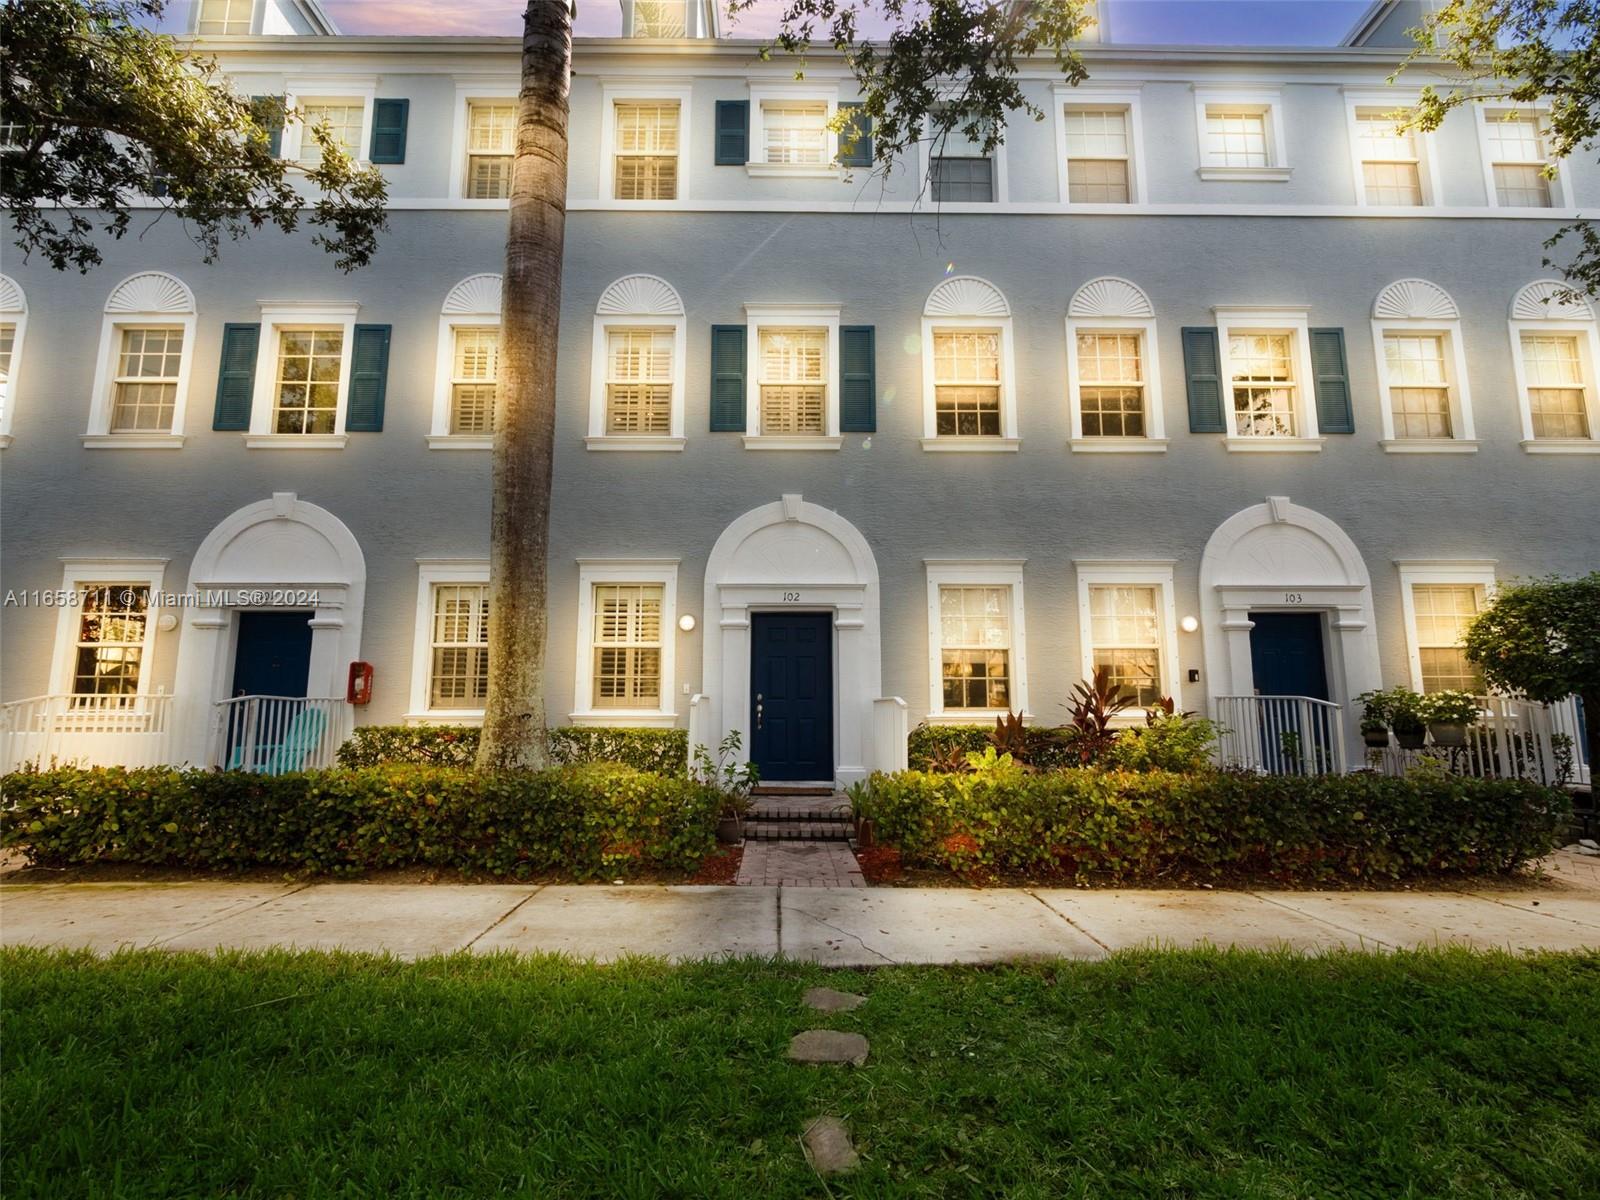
column 686, row 622
column 1189, row 624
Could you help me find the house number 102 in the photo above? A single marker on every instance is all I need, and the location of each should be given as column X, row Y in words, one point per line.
column 791, row 596
column 1293, row 598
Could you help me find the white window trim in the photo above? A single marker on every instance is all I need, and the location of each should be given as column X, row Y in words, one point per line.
column 1270, row 99
column 924, row 182
column 195, row 14
column 102, row 401
column 1478, row 571
column 430, row 573
column 1295, row 321
column 298, row 92
column 276, row 316
column 1463, row 438
column 598, row 438
column 8, row 391
column 1356, row 99
column 1560, row 187
column 679, row 90
column 975, row 572
column 1009, row 442
column 1093, row 95
column 759, row 316
column 1130, row 572
column 757, row 164
column 1155, row 439
column 1588, row 334
column 487, row 89
column 79, row 574
column 592, row 571
column 441, row 438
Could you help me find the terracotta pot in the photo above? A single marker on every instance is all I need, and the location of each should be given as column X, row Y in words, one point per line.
column 1448, row 733
column 730, row 830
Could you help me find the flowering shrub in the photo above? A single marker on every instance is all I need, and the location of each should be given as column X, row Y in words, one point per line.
column 582, row 821
column 1158, row 825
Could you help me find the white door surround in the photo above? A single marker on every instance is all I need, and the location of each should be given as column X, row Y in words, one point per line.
column 283, row 553
column 1280, row 557
column 792, row 556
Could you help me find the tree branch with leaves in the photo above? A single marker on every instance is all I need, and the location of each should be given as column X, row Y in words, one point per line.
column 107, row 117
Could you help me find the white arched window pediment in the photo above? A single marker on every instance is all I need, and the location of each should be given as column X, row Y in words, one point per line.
column 1110, row 297
column 142, row 369
column 1424, row 392
column 638, row 366
column 13, row 326
column 1414, row 300
column 1555, row 351
column 1550, row 300
column 969, row 377
column 476, row 295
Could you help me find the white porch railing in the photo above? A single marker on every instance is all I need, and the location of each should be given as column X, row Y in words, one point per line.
column 86, row 731
column 273, row 735
column 1281, row 735
column 1512, row 739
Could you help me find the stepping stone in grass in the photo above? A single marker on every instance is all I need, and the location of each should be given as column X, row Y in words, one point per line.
column 828, row 1147
column 822, row 999
column 828, row 1046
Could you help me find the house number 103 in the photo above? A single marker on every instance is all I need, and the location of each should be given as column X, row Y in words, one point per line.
column 1293, row 598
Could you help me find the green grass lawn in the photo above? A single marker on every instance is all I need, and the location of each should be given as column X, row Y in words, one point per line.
column 1161, row 1075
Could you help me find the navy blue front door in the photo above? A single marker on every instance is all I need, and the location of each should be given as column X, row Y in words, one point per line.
column 274, row 654
column 1286, row 655
column 791, row 695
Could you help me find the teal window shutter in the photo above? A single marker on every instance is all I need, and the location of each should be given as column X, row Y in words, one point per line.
column 369, row 379
column 859, row 155
column 389, row 119
column 1335, row 414
column 236, row 379
column 269, row 113
column 858, row 382
column 1203, row 365
column 727, row 378
column 733, row 133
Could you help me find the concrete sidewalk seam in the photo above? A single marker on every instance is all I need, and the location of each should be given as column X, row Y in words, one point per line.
column 1360, row 935
column 856, row 937
column 503, row 917
column 1528, row 908
column 228, row 916
column 1055, row 912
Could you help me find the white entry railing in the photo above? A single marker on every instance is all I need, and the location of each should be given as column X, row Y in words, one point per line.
column 273, row 735
column 1281, row 735
column 85, row 731
column 1512, row 739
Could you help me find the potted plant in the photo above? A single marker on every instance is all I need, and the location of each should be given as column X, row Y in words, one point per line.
column 1448, row 713
column 730, row 821
column 733, row 779
column 1375, row 719
column 1405, row 718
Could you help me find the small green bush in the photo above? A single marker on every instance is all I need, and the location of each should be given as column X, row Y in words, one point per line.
column 1048, row 748
column 1168, row 742
column 663, row 750
column 1159, row 825
column 583, row 821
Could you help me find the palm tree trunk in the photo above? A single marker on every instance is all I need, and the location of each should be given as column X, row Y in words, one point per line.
column 525, row 402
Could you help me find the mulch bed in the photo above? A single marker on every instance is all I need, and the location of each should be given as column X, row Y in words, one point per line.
column 720, row 867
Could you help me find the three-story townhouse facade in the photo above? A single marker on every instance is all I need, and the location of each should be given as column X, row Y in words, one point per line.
column 1210, row 377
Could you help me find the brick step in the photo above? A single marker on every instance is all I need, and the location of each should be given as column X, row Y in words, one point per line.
column 789, row 810
column 797, row 831
column 793, row 789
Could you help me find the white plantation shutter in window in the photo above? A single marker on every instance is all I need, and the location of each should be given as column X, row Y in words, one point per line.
column 639, row 381
column 627, row 645
column 474, row 373
column 793, row 388
column 460, row 667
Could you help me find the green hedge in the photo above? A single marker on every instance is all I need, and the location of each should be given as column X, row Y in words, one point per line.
column 1123, row 827
column 582, row 821
column 662, row 750
column 928, row 745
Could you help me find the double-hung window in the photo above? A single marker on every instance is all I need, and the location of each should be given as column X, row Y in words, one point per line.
column 966, row 382
column 1111, row 384
column 474, row 374
column 627, row 619
column 1514, row 148
column 458, row 660
column 961, row 170
column 1113, row 393
column 225, row 18
column 344, row 120
column 1264, row 383
column 1554, row 370
column 491, row 147
column 1556, row 349
column 1391, row 165
column 1422, row 376
column 1128, row 626
column 646, row 141
column 8, row 346
column 1419, row 385
column 1240, row 131
column 1442, row 612
column 1099, row 155
column 13, row 324
column 145, row 387
column 793, row 365
column 639, row 379
column 303, row 375
column 795, row 132
column 113, row 629
column 1236, row 136
column 306, row 385
column 977, row 661
column 142, row 367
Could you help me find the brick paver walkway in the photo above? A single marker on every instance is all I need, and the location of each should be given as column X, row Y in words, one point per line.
column 800, row 864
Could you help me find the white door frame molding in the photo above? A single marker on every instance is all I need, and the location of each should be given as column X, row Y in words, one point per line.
column 794, row 556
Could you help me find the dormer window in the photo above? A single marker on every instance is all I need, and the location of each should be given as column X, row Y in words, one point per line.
column 660, row 18
column 226, row 18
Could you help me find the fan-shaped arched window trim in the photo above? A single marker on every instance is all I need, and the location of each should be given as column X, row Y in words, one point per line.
column 1113, row 377
column 638, row 318
column 13, row 313
column 1424, row 390
column 466, row 364
column 958, row 307
column 143, row 367
column 1555, row 355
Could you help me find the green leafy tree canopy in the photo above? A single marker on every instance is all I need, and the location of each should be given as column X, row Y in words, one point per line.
column 1524, row 52
column 106, row 117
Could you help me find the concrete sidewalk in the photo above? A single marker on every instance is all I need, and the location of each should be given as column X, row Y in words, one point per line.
column 848, row 927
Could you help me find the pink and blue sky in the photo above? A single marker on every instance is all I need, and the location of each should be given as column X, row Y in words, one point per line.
column 1195, row 22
